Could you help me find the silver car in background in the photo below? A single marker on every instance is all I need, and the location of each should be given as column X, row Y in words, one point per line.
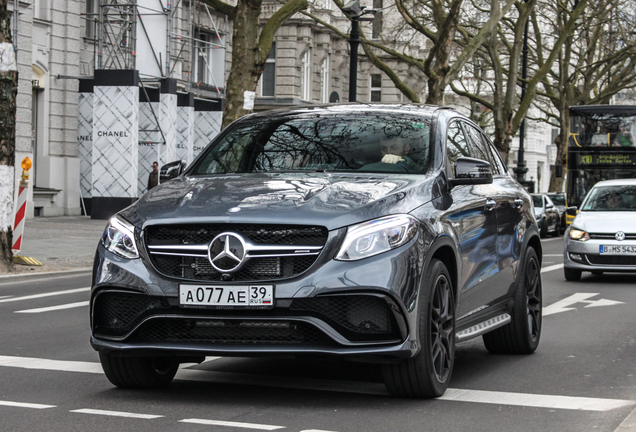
column 602, row 237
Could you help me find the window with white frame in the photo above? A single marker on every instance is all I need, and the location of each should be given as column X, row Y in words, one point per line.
column 41, row 9
column 305, row 76
column 324, row 80
column 267, row 82
column 376, row 88
column 209, row 68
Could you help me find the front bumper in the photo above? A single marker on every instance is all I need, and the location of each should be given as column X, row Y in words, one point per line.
column 586, row 256
column 363, row 308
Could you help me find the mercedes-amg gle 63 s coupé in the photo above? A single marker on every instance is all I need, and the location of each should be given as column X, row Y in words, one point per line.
column 381, row 233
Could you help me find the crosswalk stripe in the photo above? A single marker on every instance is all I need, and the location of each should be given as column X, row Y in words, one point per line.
column 50, row 294
column 54, row 308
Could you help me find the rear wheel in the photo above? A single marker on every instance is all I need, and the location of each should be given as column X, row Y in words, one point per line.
column 571, row 274
column 138, row 372
column 521, row 335
column 427, row 375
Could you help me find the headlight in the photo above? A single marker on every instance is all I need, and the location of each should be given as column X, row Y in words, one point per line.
column 577, row 234
column 377, row 236
column 119, row 238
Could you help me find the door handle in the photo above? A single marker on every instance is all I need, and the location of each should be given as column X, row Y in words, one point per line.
column 490, row 204
column 518, row 203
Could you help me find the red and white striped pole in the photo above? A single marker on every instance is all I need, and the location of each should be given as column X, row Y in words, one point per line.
column 20, row 213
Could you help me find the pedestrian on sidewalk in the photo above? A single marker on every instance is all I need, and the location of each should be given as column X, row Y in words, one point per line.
column 153, row 177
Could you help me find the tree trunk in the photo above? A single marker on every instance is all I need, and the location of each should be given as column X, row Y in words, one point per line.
column 247, row 67
column 8, row 92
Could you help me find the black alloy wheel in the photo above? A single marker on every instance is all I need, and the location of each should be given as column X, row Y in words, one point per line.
column 521, row 335
column 427, row 375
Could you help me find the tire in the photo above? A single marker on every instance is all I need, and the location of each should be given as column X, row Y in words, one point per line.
column 428, row 374
column 522, row 334
column 571, row 274
column 543, row 232
column 138, row 372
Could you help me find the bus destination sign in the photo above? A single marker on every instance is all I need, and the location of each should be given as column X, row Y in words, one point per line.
column 607, row 159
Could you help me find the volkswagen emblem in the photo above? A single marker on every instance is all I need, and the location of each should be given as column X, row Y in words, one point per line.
column 227, row 252
column 620, row 236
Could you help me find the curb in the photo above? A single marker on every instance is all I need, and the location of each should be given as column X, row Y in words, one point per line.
column 36, row 275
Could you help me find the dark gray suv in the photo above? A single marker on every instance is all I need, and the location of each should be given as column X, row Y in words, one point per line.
column 382, row 233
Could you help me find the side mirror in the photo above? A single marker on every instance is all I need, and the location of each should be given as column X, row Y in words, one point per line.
column 471, row 171
column 571, row 211
column 549, row 206
column 171, row 170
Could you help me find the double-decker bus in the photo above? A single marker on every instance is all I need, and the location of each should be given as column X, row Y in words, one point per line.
column 602, row 146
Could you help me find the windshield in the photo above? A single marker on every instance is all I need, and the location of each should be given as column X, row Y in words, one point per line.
column 537, row 201
column 360, row 142
column 611, row 198
column 558, row 199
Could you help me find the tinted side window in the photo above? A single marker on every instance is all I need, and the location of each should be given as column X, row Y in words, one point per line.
column 478, row 149
column 496, row 157
column 456, row 145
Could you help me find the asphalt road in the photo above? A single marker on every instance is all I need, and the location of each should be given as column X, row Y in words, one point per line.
column 582, row 377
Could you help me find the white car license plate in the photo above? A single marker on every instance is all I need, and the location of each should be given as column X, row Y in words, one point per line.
column 219, row 295
column 618, row 250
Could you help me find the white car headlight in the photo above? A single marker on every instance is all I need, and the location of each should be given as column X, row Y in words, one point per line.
column 119, row 238
column 377, row 236
column 577, row 234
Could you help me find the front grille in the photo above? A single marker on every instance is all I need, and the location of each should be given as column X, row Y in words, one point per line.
column 617, row 260
column 227, row 331
column 291, row 235
column 610, row 236
column 181, row 251
column 358, row 317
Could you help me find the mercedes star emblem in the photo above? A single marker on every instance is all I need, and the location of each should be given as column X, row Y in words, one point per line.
column 620, row 236
column 227, row 252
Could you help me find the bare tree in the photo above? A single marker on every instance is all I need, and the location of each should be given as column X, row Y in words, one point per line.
column 504, row 52
column 8, row 92
column 251, row 46
column 598, row 60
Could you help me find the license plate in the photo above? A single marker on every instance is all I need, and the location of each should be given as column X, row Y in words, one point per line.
column 227, row 296
column 618, row 250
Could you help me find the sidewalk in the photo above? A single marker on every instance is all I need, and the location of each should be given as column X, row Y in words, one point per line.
column 60, row 243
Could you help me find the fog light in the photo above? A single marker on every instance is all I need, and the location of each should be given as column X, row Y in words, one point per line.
column 576, row 257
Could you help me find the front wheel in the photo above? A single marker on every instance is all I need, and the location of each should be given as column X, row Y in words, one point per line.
column 138, row 372
column 521, row 335
column 571, row 274
column 427, row 375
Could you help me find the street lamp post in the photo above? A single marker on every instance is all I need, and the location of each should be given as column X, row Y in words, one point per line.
column 355, row 13
column 521, row 169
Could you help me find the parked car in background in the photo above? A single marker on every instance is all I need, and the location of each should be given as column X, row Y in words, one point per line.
column 602, row 237
column 547, row 214
column 560, row 202
column 378, row 233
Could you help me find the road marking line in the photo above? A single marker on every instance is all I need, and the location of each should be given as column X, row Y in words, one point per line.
column 553, row 255
column 535, row 400
column 231, row 424
column 1, row 297
column 35, row 296
column 551, row 268
column 116, row 413
column 56, row 365
column 25, row 405
column 563, row 304
column 54, row 308
column 479, row 396
column 493, row 397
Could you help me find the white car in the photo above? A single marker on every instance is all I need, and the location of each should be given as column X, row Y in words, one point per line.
column 602, row 237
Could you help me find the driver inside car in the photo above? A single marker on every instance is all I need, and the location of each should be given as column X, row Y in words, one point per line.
column 395, row 151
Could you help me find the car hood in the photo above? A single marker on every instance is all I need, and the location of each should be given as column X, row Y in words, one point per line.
column 331, row 200
column 606, row 221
